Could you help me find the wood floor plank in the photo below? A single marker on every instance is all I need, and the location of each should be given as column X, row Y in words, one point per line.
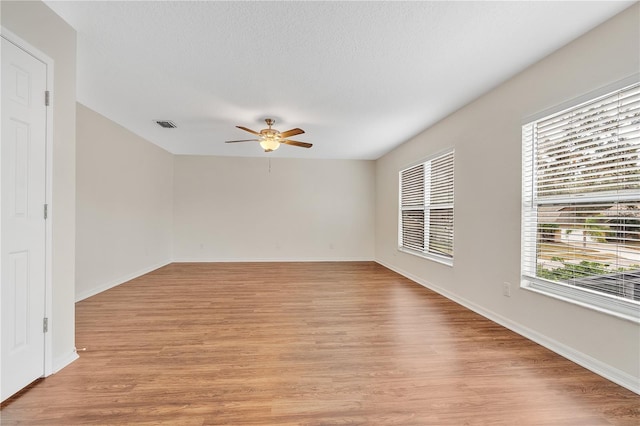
column 305, row 344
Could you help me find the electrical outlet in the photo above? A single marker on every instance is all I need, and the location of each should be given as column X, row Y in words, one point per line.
column 506, row 289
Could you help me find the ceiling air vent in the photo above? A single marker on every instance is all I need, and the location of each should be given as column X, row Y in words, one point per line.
column 166, row 124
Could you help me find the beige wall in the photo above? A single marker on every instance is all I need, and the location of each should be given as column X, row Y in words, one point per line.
column 139, row 207
column 36, row 24
column 124, row 204
column 240, row 209
column 486, row 135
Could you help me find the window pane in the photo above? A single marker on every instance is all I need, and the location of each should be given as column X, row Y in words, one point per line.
column 591, row 149
column 441, row 232
column 413, row 229
column 442, row 180
column 591, row 245
column 413, row 186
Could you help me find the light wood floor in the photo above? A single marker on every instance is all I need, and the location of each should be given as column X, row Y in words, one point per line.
column 306, row 344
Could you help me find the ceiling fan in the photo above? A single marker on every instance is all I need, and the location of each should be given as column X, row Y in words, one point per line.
column 270, row 139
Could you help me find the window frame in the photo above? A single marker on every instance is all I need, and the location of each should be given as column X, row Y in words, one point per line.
column 606, row 303
column 426, row 207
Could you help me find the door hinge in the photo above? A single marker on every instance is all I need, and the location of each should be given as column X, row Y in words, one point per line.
column 45, row 325
column 47, row 96
column 46, row 211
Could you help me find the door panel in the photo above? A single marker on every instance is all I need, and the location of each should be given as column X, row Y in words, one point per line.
column 22, row 222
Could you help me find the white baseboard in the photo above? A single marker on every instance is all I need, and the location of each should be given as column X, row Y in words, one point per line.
column 61, row 362
column 234, row 260
column 607, row 371
column 113, row 283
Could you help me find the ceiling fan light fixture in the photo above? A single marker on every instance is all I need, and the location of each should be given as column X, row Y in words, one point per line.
column 271, row 139
column 269, row 144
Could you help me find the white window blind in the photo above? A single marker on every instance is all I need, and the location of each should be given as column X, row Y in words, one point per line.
column 581, row 203
column 413, row 207
column 426, row 208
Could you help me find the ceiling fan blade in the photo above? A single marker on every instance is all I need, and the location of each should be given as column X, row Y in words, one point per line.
column 248, row 130
column 296, row 143
column 243, row 140
column 291, row 132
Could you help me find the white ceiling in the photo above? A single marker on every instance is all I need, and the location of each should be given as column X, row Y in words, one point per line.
column 359, row 77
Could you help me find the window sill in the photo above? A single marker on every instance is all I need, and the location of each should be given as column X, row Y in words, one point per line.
column 610, row 305
column 434, row 257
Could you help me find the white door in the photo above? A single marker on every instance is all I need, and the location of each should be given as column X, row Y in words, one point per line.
column 22, row 222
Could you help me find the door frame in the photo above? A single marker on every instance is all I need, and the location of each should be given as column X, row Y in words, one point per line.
column 48, row 278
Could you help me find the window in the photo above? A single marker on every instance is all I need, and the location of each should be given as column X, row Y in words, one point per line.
column 581, row 204
column 426, row 209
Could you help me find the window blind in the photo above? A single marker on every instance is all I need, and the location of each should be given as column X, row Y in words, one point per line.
column 441, row 206
column 426, row 207
column 412, row 195
column 581, row 199
column 590, row 149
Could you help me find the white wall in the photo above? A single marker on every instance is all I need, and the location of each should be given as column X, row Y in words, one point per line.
column 240, row 209
column 36, row 24
column 486, row 135
column 124, row 204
